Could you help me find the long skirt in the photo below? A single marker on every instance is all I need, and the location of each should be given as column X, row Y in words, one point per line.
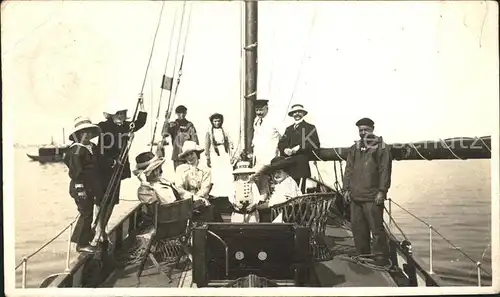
column 222, row 173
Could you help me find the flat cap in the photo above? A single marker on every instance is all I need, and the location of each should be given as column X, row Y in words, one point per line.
column 180, row 109
column 365, row 122
column 261, row 102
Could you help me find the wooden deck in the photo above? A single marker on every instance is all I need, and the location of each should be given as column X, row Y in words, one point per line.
column 337, row 272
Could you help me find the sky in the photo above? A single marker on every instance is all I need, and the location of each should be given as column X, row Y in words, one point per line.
column 421, row 70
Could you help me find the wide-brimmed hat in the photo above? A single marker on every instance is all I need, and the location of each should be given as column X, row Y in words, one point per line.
column 243, row 167
column 189, row 146
column 81, row 124
column 277, row 163
column 297, row 107
column 216, row 116
column 113, row 108
column 147, row 162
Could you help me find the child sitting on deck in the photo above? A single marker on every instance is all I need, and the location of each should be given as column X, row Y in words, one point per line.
column 246, row 195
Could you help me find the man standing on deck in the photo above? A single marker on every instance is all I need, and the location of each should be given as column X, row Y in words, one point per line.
column 113, row 139
column 265, row 136
column 367, row 179
column 179, row 130
column 299, row 141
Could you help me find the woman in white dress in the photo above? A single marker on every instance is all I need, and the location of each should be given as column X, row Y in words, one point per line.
column 218, row 149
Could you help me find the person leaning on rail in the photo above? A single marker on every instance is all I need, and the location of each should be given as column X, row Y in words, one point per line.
column 85, row 188
column 367, row 179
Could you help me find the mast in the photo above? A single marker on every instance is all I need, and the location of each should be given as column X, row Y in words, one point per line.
column 251, row 18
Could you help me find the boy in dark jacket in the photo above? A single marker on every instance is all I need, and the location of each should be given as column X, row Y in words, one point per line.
column 85, row 188
column 367, row 179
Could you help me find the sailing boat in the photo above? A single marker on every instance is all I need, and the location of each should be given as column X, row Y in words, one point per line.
column 50, row 153
column 219, row 269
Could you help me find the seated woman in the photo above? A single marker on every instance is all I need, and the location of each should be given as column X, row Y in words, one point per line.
column 153, row 186
column 246, row 195
column 194, row 181
column 285, row 187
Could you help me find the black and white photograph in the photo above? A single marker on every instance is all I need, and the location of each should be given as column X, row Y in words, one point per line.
column 250, row 148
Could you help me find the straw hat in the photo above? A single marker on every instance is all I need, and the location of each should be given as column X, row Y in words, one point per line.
column 147, row 162
column 189, row 146
column 297, row 107
column 84, row 123
column 243, row 167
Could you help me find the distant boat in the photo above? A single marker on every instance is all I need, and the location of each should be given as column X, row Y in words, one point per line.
column 50, row 153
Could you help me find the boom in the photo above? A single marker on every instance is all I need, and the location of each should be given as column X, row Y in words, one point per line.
column 460, row 148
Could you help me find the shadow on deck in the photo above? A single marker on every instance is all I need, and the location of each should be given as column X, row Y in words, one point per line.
column 337, row 272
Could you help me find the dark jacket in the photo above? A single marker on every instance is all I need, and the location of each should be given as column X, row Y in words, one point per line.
column 368, row 170
column 181, row 131
column 305, row 136
column 83, row 170
column 113, row 139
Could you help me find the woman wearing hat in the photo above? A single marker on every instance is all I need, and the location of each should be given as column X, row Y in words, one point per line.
column 218, row 153
column 82, row 160
column 284, row 186
column 195, row 181
column 180, row 130
column 153, row 186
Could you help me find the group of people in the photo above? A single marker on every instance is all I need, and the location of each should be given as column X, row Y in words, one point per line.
column 94, row 168
column 280, row 164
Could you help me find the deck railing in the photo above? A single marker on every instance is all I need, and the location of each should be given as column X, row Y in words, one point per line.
column 24, row 261
column 480, row 270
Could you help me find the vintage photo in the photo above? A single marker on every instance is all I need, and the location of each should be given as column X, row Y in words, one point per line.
column 167, row 147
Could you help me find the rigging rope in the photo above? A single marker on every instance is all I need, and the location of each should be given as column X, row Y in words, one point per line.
column 152, row 47
column 164, row 73
column 104, row 212
column 302, row 60
column 171, row 100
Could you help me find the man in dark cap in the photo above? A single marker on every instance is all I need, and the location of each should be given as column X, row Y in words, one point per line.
column 266, row 135
column 265, row 141
column 179, row 130
column 367, row 179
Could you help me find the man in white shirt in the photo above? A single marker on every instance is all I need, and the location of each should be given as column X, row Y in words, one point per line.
column 266, row 135
column 265, row 141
